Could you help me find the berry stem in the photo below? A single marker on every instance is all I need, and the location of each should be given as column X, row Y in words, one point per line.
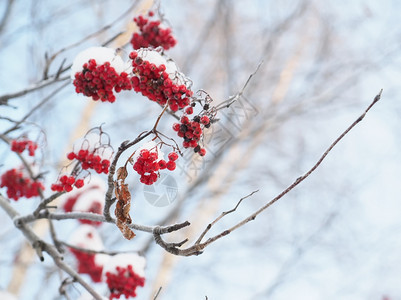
column 154, row 130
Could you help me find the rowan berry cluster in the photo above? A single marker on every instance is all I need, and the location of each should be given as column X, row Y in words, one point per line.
column 148, row 165
column 153, row 82
column 90, row 160
column 67, row 183
column 87, row 264
column 98, row 81
column 151, row 34
column 19, row 186
column 20, row 145
column 124, row 282
column 191, row 131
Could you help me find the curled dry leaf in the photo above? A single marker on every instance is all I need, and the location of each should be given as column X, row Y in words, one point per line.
column 123, row 204
column 121, row 174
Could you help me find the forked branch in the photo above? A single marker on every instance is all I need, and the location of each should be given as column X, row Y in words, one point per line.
column 198, row 246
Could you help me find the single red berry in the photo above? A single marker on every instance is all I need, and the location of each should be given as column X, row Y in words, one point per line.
column 171, row 165
column 173, row 156
column 145, row 153
column 79, row 183
column 202, row 152
column 189, row 110
column 71, row 155
column 176, row 127
column 205, row 120
column 162, row 164
column 71, row 180
column 67, row 188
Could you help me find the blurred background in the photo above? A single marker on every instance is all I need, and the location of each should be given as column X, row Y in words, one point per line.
column 336, row 236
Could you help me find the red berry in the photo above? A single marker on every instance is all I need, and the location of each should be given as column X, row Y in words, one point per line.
column 71, row 155
column 70, row 180
column 79, row 183
column 144, row 153
column 162, row 164
column 202, row 152
column 173, row 156
column 205, row 120
column 189, row 110
column 176, row 127
column 67, row 188
column 171, row 165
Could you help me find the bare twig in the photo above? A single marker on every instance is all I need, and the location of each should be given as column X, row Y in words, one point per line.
column 197, row 249
column 41, row 246
column 37, row 86
column 221, row 216
column 157, row 293
column 44, row 100
column 95, row 218
column 227, row 103
column 6, row 15
column 90, row 251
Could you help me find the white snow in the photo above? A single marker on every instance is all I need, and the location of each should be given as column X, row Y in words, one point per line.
column 149, row 145
column 101, row 259
column 86, row 236
column 85, row 200
column 87, row 296
column 123, row 260
column 95, row 183
column 7, row 296
column 101, row 55
column 156, row 58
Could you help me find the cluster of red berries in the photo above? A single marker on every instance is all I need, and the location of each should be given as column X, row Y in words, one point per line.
column 87, row 265
column 191, row 131
column 154, row 82
column 98, row 82
column 148, row 165
column 124, row 282
column 67, row 183
column 151, row 34
column 90, row 160
column 21, row 145
column 18, row 186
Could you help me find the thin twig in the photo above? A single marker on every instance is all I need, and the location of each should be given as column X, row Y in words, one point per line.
column 227, row 103
column 37, row 86
column 41, row 246
column 51, row 95
column 224, row 213
column 158, row 293
column 197, row 249
column 90, row 251
column 95, row 218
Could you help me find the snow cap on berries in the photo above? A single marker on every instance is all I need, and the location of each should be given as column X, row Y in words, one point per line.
column 101, row 55
column 137, row 262
column 156, row 58
column 90, row 199
column 86, row 236
column 148, row 146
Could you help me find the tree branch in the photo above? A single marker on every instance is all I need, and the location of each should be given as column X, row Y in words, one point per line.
column 198, row 247
column 41, row 246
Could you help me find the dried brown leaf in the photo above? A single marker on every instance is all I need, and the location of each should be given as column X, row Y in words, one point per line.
column 123, row 204
column 122, row 173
